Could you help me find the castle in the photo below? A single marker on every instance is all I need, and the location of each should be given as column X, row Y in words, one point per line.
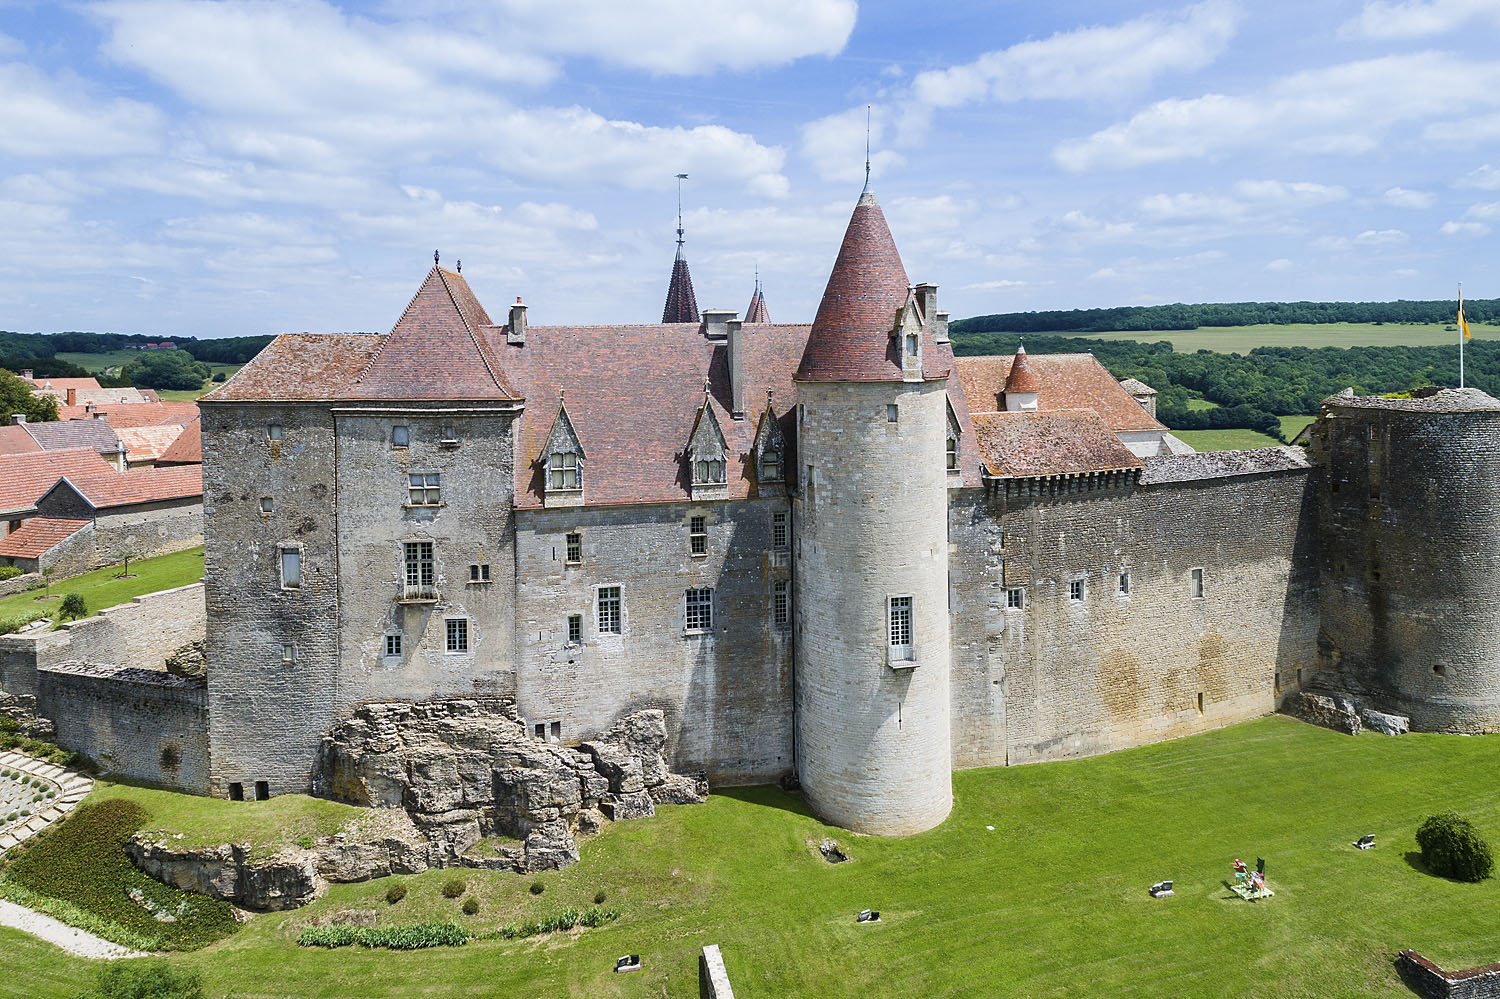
column 829, row 550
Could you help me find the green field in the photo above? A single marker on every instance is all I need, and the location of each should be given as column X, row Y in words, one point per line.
column 1051, row 901
column 110, row 362
column 1236, row 439
column 1240, row 339
column 101, row 589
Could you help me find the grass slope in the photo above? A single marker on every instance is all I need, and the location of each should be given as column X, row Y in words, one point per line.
column 1235, row 439
column 1051, row 902
column 1240, row 339
column 101, row 589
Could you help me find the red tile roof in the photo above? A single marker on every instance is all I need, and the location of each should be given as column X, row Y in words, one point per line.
column 187, row 449
column 15, row 440
column 1021, row 377
column 146, row 485
column 39, row 535
column 682, row 304
column 149, row 443
column 63, row 384
column 1065, row 381
column 26, row 478
column 1057, row 442
column 437, row 350
column 300, row 367
column 123, row 415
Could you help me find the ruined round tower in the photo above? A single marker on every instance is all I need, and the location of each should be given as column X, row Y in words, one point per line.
column 1410, row 539
column 873, row 654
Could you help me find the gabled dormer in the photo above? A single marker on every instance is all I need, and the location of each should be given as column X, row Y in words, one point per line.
column 770, row 449
column 908, row 335
column 562, row 463
column 707, row 455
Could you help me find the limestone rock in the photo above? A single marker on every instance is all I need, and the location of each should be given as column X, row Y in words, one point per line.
column 678, row 789
column 1386, row 724
column 285, row 880
column 1336, row 713
column 189, row 661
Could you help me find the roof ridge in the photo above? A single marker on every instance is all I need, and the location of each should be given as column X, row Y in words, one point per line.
column 479, row 344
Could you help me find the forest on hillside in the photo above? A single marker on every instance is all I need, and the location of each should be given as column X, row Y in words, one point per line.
column 38, row 351
column 1131, row 318
column 1252, row 389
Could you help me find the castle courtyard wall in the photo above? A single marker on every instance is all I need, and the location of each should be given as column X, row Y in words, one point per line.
column 726, row 694
column 1058, row 679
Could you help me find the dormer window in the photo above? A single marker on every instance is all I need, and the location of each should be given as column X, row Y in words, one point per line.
column 770, row 465
column 563, row 470
column 952, row 454
column 707, row 456
column 562, row 463
column 709, row 472
column 770, row 448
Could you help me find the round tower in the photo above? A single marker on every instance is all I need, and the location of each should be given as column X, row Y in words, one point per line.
column 873, row 655
column 1410, row 534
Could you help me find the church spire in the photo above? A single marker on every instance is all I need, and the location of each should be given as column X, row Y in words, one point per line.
column 682, row 304
column 756, row 311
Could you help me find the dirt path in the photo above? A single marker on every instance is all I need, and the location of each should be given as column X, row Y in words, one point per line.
column 72, row 940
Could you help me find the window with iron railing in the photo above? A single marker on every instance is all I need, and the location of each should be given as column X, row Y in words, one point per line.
column 420, row 580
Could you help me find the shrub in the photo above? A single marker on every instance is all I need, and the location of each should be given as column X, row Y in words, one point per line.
column 218, row 376
column 74, row 607
column 81, row 862
column 537, row 887
column 471, row 906
column 564, row 920
column 413, row 937
column 454, row 888
column 11, row 625
column 8, row 572
column 599, row 897
column 306, row 842
column 1453, row 848
column 145, row 980
column 395, row 892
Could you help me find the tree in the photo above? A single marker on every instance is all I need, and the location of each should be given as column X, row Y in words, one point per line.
column 1453, row 848
column 16, row 397
column 166, row 369
column 74, row 607
column 126, row 557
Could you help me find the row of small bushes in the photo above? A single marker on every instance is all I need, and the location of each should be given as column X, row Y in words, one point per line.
column 81, row 861
column 438, row 934
column 11, row 625
column 558, row 923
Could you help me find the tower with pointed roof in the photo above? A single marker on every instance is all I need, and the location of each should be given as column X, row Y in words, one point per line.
column 873, row 656
column 682, row 304
column 756, row 311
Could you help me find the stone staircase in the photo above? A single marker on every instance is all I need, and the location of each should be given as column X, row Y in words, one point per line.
column 72, row 787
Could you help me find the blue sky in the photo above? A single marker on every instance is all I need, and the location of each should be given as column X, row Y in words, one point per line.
column 232, row 168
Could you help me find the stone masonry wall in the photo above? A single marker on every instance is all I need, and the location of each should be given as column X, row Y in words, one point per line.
column 151, row 529
column 725, row 694
column 1058, row 679
column 268, row 713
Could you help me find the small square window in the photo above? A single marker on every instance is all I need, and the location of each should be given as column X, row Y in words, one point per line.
column 449, row 435
column 708, row 471
column 392, row 645
column 291, row 568
column 781, row 602
column 1015, row 598
column 1124, row 584
column 574, row 548
column 778, row 530
column 770, row 465
column 563, row 467
column 458, row 634
column 424, row 489
column 952, row 454
column 479, row 572
column 575, row 629
column 288, row 653
column 1197, row 584
column 274, row 431
column 400, row 436
column 1075, row 591
column 892, row 413
column 700, row 609
column 698, row 535
column 266, row 504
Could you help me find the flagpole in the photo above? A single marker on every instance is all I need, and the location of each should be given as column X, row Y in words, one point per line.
column 1460, row 334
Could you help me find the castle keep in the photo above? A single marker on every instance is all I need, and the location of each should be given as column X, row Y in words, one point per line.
column 830, row 550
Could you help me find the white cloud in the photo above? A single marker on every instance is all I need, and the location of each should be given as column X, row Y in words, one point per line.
column 835, row 144
column 1246, row 198
column 10, row 46
column 1399, row 20
column 1464, row 229
column 1400, row 197
column 1484, row 178
column 1280, row 264
column 998, row 285
column 1087, row 63
column 1380, row 237
column 42, row 116
column 1484, row 210
column 1346, row 109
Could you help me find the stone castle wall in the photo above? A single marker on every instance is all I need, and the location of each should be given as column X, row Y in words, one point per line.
column 725, row 694
column 1057, row 679
column 1410, row 573
column 140, row 531
column 873, row 735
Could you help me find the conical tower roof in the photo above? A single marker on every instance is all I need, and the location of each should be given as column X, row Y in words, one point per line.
column 682, row 304
column 851, row 335
column 1021, row 377
column 756, row 311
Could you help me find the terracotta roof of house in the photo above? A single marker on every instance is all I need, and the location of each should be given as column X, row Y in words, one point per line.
column 1021, row 378
column 851, row 337
column 1056, row 442
column 66, row 435
column 300, row 367
column 147, row 485
column 63, row 384
column 26, row 478
column 149, row 443
column 15, row 440
column 682, row 304
column 1065, row 381
column 437, row 350
column 187, row 449
column 39, row 535
column 756, row 311
column 122, row 415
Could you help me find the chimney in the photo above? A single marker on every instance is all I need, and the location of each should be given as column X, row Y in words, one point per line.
column 736, row 349
column 940, row 328
column 516, row 331
column 26, row 374
column 72, row 397
column 88, row 407
column 716, row 323
column 98, row 415
column 19, row 419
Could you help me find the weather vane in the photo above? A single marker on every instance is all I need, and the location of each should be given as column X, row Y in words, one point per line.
column 680, row 178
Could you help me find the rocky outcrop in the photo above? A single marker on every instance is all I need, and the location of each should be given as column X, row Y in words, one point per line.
column 1386, row 724
column 466, row 769
column 188, row 661
column 1344, row 713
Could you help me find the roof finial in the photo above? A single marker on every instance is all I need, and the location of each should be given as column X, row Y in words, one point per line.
column 680, row 178
column 434, row 256
column 460, row 266
column 867, row 149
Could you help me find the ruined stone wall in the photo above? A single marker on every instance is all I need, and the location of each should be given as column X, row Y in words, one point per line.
column 473, row 526
column 1410, row 564
column 268, row 713
column 873, row 735
column 726, row 694
column 1057, row 679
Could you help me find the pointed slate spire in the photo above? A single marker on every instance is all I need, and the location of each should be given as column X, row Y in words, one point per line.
column 682, row 304
column 851, row 334
column 756, row 311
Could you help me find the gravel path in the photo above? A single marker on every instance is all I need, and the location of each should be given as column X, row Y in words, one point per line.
column 60, row 934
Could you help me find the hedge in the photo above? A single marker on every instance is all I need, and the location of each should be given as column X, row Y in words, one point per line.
column 420, row 935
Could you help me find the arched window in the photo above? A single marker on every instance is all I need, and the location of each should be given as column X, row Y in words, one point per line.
column 564, row 468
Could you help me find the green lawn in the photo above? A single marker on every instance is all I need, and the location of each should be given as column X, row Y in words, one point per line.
column 101, row 589
column 1240, row 339
column 1237, row 439
column 1050, row 902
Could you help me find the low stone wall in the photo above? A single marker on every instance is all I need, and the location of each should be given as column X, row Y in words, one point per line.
column 1427, row 979
column 111, row 536
column 713, row 980
column 18, row 584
